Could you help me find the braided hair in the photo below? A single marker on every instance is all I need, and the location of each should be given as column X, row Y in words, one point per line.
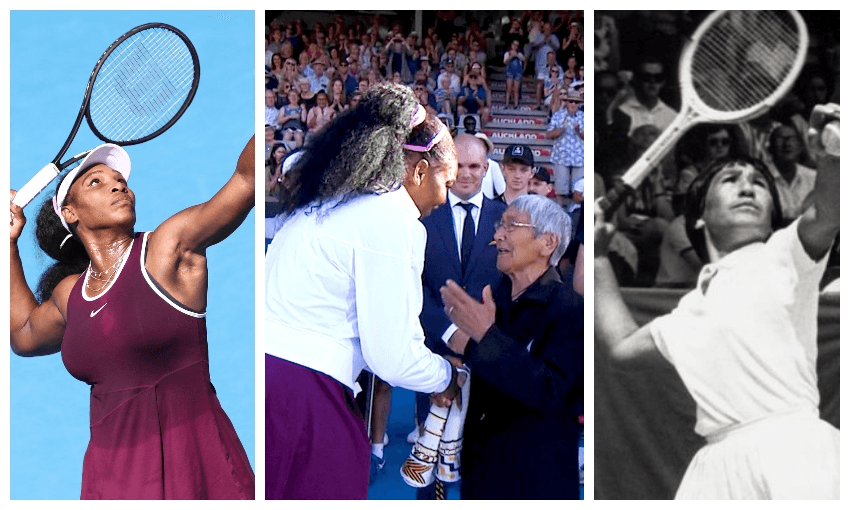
column 360, row 151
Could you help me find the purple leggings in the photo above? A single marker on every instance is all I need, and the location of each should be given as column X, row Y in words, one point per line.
column 316, row 445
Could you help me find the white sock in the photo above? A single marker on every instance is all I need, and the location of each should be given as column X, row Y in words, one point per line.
column 378, row 450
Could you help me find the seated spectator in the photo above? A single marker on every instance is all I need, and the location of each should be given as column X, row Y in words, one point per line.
column 515, row 62
column 282, row 92
column 320, row 114
column 272, row 113
column 348, row 80
column 355, row 100
column 449, row 70
column 426, row 99
column 444, row 97
column 273, row 164
column 551, row 85
column 292, row 120
column 470, row 124
column 316, row 76
column 577, row 202
column 679, row 264
column 270, row 140
column 517, row 168
column 276, row 67
column 541, row 183
column 476, row 54
column 713, row 141
column 339, row 99
column 474, row 98
column 546, row 73
column 645, row 213
column 794, row 181
column 307, row 96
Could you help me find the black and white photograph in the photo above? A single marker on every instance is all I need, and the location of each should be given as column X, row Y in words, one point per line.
column 716, row 242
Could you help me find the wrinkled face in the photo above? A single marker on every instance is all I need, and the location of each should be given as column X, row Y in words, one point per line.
column 572, row 105
column 517, row 175
column 717, row 144
column 785, row 145
column 738, row 200
column 293, row 98
column 539, row 187
column 100, row 198
column 269, row 98
column 471, row 166
column 517, row 247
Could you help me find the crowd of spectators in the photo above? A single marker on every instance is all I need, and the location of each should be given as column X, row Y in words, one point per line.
column 314, row 73
column 636, row 95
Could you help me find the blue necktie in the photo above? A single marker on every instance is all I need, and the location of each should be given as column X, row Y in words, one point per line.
column 467, row 237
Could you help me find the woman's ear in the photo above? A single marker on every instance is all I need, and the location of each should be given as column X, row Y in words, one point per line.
column 419, row 171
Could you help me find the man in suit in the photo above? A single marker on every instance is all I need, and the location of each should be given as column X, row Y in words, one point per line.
column 458, row 248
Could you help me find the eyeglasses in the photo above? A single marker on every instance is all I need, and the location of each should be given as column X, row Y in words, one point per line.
column 510, row 226
column 719, row 142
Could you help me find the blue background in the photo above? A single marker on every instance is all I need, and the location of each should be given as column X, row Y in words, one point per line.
column 52, row 54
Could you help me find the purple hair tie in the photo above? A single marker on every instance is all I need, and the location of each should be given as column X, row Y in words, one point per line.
column 431, row 143
column 418, row 116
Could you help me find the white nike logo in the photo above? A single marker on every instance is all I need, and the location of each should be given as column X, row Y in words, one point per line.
column 98, row 310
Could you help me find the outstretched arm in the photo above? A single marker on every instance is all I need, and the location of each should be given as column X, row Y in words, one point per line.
column 820, row 223
column 176, row 256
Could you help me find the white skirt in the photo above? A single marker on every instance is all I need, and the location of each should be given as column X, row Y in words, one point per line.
column 787, row 456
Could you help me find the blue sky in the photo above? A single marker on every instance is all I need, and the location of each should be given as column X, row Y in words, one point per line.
column 52, row 54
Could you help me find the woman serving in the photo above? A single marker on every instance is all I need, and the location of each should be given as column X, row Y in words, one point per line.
column 743, row 341
column 127, row 312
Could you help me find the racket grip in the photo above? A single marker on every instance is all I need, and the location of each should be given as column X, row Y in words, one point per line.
column 40, row 181
column 615, row 196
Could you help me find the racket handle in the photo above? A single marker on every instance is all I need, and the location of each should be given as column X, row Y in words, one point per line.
column 40, row 181
column 615, row 196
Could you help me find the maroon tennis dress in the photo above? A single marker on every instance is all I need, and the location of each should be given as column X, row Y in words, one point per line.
column 157, row 428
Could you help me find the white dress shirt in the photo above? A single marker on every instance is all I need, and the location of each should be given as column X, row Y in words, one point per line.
column 344, row 292
column 459, row 216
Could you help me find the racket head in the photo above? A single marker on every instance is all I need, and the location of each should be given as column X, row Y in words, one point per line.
column 142, row 84
column 738, row 64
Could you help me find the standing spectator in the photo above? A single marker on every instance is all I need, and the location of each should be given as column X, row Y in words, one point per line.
column 646, row 107
column 515, row 62
column 546, row 43
column 339, row 99
column 307, row 96
column 572, row 46
column 454, row 83
column 273, row 168
column 567, row 129
column 474, row 98
column 517, row 168
column 794, row 181
column 556, row 80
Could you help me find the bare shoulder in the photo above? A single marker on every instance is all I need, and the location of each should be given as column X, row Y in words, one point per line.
column 62, row 293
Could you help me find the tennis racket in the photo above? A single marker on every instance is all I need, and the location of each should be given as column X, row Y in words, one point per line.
column 735, row 67
column 140, row 86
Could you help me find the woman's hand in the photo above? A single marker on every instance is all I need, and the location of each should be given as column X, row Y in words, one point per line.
column 17, row 221
column 466, row 313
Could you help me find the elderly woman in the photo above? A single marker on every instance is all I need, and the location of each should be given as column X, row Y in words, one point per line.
column 127, row 310
column 525, row 349
column 744, row 341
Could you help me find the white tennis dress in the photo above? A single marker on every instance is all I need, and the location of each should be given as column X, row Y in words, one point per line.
column 744, row 343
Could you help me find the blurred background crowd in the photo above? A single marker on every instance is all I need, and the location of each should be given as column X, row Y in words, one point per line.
column 637, row 96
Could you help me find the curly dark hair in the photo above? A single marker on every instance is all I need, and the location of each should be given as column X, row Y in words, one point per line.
column 71, row 257
column 360, row 151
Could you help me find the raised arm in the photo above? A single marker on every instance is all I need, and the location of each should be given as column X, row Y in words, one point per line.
column 627, row 345
column 820, row 222
column 176, row 256
column 34, row 329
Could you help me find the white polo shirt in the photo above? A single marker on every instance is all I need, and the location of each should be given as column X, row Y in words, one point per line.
column 744, row 341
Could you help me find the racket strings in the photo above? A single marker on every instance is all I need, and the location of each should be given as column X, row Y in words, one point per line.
column 743, row 58
column 142, row 84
